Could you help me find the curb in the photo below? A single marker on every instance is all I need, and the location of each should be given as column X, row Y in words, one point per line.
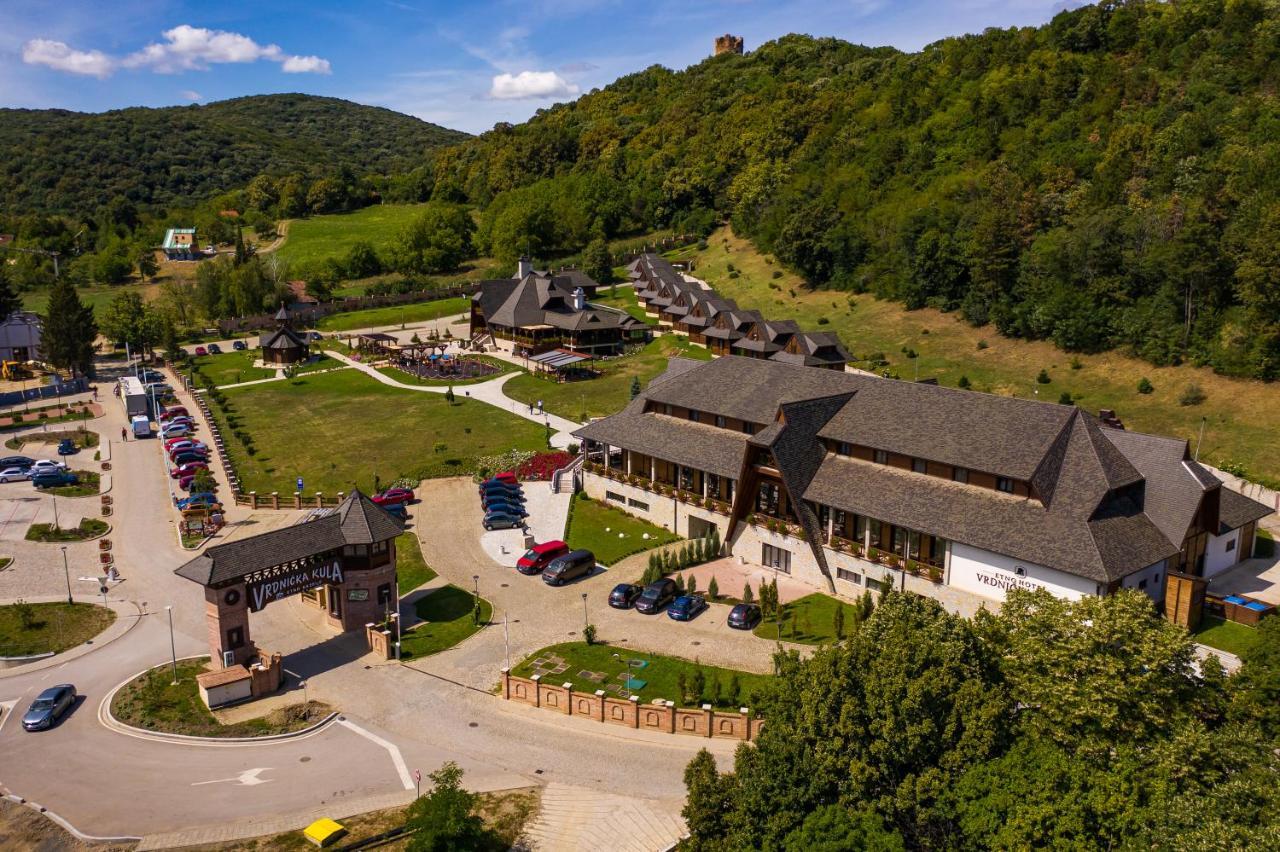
column 71, row 829
column 108, row 720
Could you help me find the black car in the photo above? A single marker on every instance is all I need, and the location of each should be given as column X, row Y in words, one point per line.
column 502, row 507
column 215, row 349
column 239, row 345
column 571, row 566
column 514, row 498
column 23, row 462
column 49, row 706
column 656, row 595
column 624, row 595
column 744, row 616
column 498, row 489
column 499, row 521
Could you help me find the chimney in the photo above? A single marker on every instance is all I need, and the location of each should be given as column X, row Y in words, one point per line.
column 579, row 299
column 523, row 267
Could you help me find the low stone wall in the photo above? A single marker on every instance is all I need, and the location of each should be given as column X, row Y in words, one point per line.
column 659, row 715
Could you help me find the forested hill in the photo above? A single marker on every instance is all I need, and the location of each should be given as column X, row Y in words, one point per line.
column 1109, row 179
column 54, row 161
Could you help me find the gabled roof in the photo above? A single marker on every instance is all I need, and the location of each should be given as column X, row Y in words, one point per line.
column 538, row 299
column 815, row 349
column 282, row 338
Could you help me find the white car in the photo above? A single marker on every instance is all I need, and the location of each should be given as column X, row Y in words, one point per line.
column 43, row 465
column 14, row 474
column 176, row 430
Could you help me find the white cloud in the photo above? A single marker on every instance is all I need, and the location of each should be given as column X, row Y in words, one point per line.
column 185, row 48
column 305, row 65
column 62, row 57
column 531, row 84
column 191, row 95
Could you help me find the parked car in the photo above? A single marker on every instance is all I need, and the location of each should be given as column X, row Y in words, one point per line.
column 176, row 411
column 539, row 556
column 397, row 510
column 686, row 607
column 215, row 349
column 239, row 345
column 575, row 564
column 147, row 376
column 188, row 469
column 17, row 461
column 49, row 706
column 15, row 474
column 160, row 389
column 53, row 478
column 499, row 521
column 498, row 484
column 177, row 430
column 67, row 447
column 201, row 498
column 392, row 496
column 42, row 465
column 200, row 350
column 498, row 497
column 314, row 336
column 502, row 507
column 624, row 595
column 656, row 595
column 744, row 616
column 182, row 445
column 189, row 457
column 507, row 476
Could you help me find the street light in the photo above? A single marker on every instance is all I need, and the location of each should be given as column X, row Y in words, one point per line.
column 306, row 705
column 173, row 648
column 585, row 619
column 66, row 570
column 476, row 579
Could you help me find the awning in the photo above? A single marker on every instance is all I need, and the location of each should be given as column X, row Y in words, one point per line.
column 557, row 359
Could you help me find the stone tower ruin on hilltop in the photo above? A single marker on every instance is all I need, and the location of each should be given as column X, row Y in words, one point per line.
column 728, row 44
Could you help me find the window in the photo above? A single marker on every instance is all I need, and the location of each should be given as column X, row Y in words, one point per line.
column 615, row 497
column 776, row 557
column 693, row 416
column 235, row 638
column 881, row 457
column 1231, row 545
column 844, row 449
column 1005, row 484
column 960, row 474
column 720, row 421
column 849, row 576
column 379, row 547
column 746, row 428
column 919, row 465
column 1142, row 584
column 636, row 504
column 384, row 594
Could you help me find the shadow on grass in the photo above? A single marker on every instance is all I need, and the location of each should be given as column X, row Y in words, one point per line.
column 444, row 604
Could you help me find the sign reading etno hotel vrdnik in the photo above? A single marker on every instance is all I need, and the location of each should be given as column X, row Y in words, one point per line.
column 264, row 591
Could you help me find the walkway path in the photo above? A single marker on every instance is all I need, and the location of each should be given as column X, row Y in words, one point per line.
column 572, row 818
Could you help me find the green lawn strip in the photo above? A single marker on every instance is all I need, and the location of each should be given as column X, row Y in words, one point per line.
column 414, row 312
column 89, row 528
column 410, row 379
column 814, row 621
column 153, row 702
column 86, row 487
column 1225, row 635
column 661, row 675
column 596, row 527
column 331, row 236
column 1243, row 416
column 23, row 420
column 608, row 393
column 342, row 428
column 83, row 438
column 623, row 298
column 232, row 367
column 411, row 569
column 319, row 361
column 51, row 627
column 448, row 618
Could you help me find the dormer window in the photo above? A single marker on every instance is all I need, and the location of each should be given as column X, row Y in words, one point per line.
column 960, row 474
column 693, row 415
column 919, row 465
column 844, row 449
column 881, row 457
column 1005, row 484
column 720, row 421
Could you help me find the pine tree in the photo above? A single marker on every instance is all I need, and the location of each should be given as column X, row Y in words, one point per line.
column 69, row 330
column 713, row 588
column 10, row 301
column 698, row 686
column 680, row 583
column 692, row 585
column 682, row 687
column 635, row 387
column 713, row 696
column 747, row 596
column 735, row 689
column 837, row 622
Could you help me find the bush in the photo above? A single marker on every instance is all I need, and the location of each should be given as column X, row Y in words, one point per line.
column 1192, row 394
column 777, row 273
column 1043, row 377
column 1145, row 386
column 964, row 383
column 982, row 344
column 589, row 634
column 1076, row 363
column 713, row 588
column 1065, row 399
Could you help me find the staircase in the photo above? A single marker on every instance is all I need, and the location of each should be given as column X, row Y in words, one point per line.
column 571, row 471
column 576, row 818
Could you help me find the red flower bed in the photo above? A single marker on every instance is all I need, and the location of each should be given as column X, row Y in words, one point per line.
column 541, row 466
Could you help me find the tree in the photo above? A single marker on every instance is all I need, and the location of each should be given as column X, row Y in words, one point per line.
column 127, row 319
column 834, row 828
column 69, row 330
column 596, row 262
column 146, row 261
column 747, row 596
column 361, row 261
column 635, row 386
column 444, row 820
column 437, row 241
column 837, row 622
column 1145, row 386
column 713, row 588
column 9, row 300
column 1255, row 691
column 709, row 802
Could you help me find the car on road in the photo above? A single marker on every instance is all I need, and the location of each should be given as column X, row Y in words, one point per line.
column 188, row 469
column 686, row 607
column 624, row 595
column 49, row 706
column 656, row 595
column 392, row 496
column 199, row 500
column 571, row 566
column 17, row 461
column 42, row 465
column 53, row 478
column 744, row 616
column 239, row 345
column 539, row 556
column 200, row 350
column 502, row 507
column 498, row 521
column 215, row 349
column 67, row 447
column 15, row 474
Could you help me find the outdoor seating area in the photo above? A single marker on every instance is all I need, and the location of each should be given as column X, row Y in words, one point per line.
column 425, row 360
column 562, row 365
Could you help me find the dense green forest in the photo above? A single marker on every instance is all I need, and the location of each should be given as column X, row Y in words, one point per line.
column 69, row 163
column 1109, row 179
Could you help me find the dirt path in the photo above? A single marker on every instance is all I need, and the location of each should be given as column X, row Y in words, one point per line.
column 282, row 233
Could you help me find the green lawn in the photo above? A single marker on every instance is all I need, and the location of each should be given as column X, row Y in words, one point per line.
column 1225, row 635
column 1243, row 416
column 89, row 528
column 152, row 701
column 410, row 379
column 52, row 627
column 411, row 569
column 321, row 237
column 342, row 428
column 232, row 367
column 448, row 617
column 814, row 621
column 89, row 483
column 98, row 296
column 608, row 393
column 624, row 299
column 589, row 519
column 415, row 312
column 661, row 675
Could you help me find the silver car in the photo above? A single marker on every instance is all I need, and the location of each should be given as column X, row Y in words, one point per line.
column 49, row 706
column 15, row 474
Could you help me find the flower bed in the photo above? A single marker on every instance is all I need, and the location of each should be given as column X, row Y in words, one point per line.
column 542, row 465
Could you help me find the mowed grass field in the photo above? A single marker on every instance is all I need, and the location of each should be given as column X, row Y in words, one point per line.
column 1242, row 418
column 321, row 237
column 416, row 312
column 96, row 295
column 342, row 428
column 608, row 393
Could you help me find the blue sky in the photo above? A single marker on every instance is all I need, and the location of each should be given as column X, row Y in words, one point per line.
column 464, row 64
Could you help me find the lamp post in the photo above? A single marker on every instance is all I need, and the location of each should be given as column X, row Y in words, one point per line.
column 306, row 705
column 475, row 578
column 585, row 619
column 173, row 647
column 66, row 570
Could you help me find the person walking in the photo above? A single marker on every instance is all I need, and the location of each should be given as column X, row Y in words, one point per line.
column 124, row 434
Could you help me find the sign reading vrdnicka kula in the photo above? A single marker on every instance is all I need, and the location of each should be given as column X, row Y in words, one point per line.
column 264, row 592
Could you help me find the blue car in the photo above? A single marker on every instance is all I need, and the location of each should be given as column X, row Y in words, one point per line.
column 189, row 456
column 397, row 510
column 197, row 498
column 685, row 607
column 495, row 497
column 499, row 521
column 502, row 507
column 501, row 491
column 66, row 447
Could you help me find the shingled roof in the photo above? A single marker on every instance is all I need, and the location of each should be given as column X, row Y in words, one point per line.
column 357, row 520
column 538, row 299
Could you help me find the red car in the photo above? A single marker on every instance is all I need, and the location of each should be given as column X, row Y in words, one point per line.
column 189, row 469
column 200, row 350
column 507, row 477
column 185, row 440
column 393, row 496
column 171, row 413
column 178, row 445
column 539, row 556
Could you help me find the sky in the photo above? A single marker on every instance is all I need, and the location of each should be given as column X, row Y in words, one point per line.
column 462, row 64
